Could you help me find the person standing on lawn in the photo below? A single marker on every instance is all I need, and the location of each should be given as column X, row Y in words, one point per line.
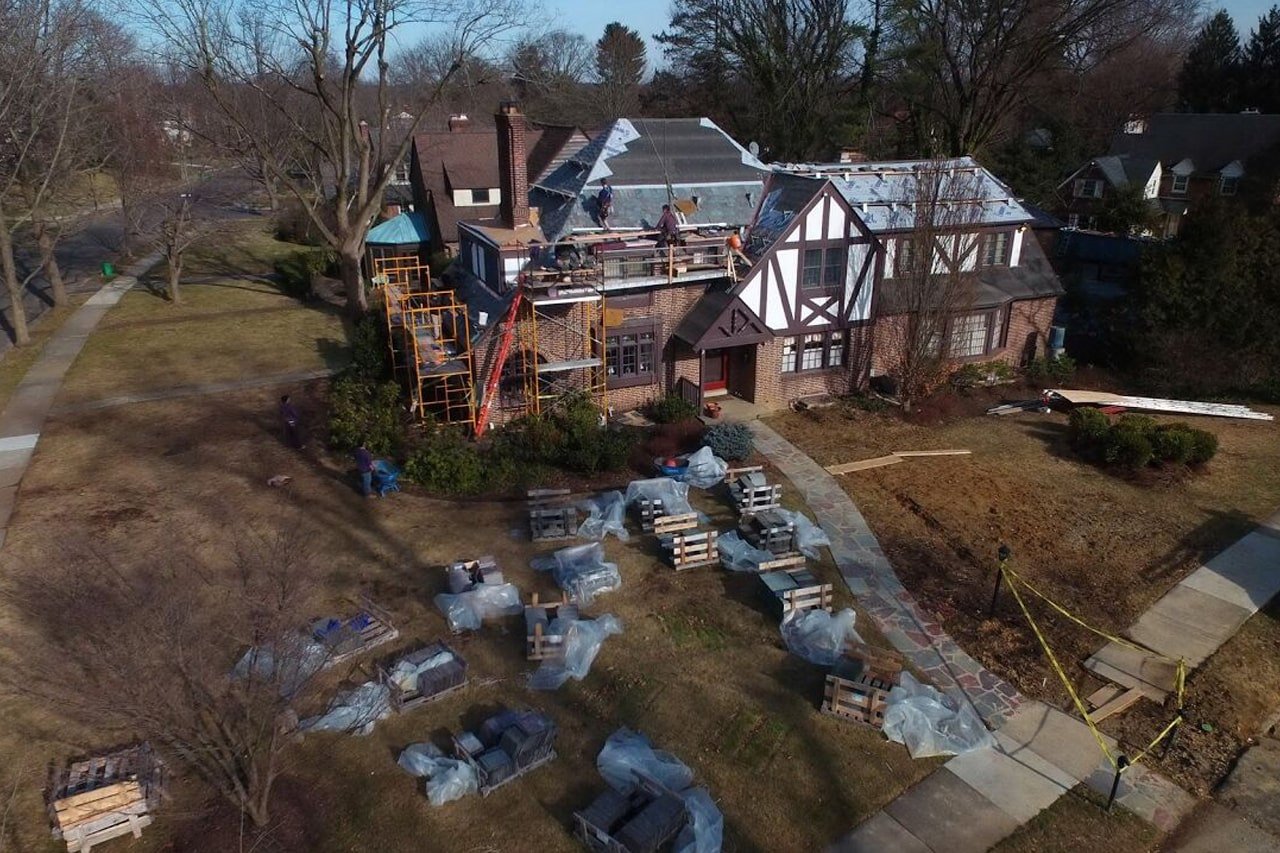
column 292, row 422
column 364, row 467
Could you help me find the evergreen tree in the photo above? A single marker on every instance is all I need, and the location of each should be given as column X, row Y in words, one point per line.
column 1261, row 79
column 1210, row 76
column 620, row 63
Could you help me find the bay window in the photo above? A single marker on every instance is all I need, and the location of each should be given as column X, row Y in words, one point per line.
column 816, row 351
column 629, row 356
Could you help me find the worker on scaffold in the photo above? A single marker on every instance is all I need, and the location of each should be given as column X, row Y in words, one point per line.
column 604, row 203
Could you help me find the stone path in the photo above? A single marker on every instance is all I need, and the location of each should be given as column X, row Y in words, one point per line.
column 24, row 415
column 180, row 391
column 1198, row 615
column 975, row 800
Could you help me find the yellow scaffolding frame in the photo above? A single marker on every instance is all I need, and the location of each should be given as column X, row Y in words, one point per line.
column 562, row 348
column 429, row 333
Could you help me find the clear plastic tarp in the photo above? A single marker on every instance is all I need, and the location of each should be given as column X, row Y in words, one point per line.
column 466, row 611
column 705, row 469
column 626, row 753
column 290, row 662
column 809, row 536
column 354, row 711
column 581, row 571
column 582, row 641
column 705, row 831
column 818, row 636
column 674, row 496
column 739, row 555
column 930, row 722
column 606, row 513
column 405, row 673
column 448, row 779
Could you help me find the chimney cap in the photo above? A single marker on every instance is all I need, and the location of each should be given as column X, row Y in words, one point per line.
column 509, row 108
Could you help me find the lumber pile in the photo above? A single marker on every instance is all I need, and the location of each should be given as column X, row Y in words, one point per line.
column 105, row 797
column 1158, row 405
column 892, row 459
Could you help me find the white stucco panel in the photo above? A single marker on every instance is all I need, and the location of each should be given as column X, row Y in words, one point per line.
column 858, row 302
column 1015, row 247
column 837, row 224
column 967, row 247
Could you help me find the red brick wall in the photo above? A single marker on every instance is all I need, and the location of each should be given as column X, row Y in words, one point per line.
column 776, row 389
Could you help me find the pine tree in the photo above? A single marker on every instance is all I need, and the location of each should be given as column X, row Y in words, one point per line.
column 1210, row 76
column 620, row 64
column 1261, row 79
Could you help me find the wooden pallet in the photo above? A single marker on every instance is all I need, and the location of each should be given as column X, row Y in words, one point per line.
column 862, row 699
column 750, row 492
column 784, row 561
column 551, row 515
column 791, row 590
column 692, row 549
column 406, row 700
column 767, row 531
column 665, row 525
column 105, row 797
column 376, row 630
column 539, row 645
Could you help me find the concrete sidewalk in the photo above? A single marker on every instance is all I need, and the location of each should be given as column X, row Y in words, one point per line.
column 977, row 799
column 24, row 416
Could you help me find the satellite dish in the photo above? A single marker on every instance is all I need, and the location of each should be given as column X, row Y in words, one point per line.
column 754, row 148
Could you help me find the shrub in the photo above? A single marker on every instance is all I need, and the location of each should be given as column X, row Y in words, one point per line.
column 369, row 350
column 1173, row 443
column 1128, row 447
column 297, row 271
column 1057, row 370
column 445, row 462
column 361, row 410
column 671, row 409
column 1142, row 424
column 1087, row 429
column 982, row 373
column 1204, row 445
column 729, row 441
column 570, row 437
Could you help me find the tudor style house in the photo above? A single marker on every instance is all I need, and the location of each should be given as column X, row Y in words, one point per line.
column 1180, row 160
column 782, row 283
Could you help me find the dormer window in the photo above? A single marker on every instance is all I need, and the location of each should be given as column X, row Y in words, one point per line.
column 995, row 251
column 1180, row 184
column 1228, row 185
column 480, row 196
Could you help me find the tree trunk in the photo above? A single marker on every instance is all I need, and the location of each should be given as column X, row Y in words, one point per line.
column 175, row 276
column 44, row 239
column 17, row 311
column 353, row 281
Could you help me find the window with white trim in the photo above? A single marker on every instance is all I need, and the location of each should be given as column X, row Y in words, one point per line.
column 1228, row 185
column 969, row 335
column 995, row 249
column 629, row 356
column 1180, row 184
column 823, row 269
column 817, row 351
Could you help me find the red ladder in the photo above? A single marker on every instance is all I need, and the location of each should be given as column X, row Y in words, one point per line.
column 495, row 376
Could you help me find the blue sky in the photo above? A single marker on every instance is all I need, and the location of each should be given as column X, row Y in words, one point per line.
column 1244, row 12
column 590, row 16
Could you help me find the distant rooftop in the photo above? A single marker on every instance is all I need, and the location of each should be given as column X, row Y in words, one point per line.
column 405, row 228
column 1210, row 140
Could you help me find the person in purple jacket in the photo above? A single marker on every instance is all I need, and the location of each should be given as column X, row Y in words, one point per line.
column 364, row 467
column 292, row 422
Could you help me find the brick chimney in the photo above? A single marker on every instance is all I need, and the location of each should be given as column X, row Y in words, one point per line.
column 513, row 165
column 458, row 122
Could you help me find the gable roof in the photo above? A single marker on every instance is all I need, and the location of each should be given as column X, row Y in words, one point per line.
column 1210, row 140
column 650, row 162
column 785, row 195
column 883, row 194
column 719, row 319
column 1122, row 170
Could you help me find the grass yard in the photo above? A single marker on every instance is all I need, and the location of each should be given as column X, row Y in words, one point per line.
column 1076, row 822
column 700, row 668
column 16, row 361
column 1103, row 546
column 233, row 323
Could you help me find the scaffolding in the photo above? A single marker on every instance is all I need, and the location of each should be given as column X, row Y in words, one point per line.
column 562, row 348
column 429, row 333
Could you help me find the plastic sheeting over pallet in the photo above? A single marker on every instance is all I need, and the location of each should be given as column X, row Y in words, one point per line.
column 818, row 636
column 581, row 571
column 1155, row 404
column 582, row 641
column 448, row 779
column 929, row 722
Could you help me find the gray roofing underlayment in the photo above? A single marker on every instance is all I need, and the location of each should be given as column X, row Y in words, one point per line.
column 1211, row 140
column 650, row 162
column 1122, row 170
column 884, row 194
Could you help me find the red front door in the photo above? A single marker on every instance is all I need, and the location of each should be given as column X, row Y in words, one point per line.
column 715, row 370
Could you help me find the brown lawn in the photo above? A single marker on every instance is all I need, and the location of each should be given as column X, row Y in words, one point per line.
column 1104, row 546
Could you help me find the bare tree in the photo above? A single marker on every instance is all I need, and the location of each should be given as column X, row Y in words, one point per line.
column 473, row 88
column 177, row 233
column 549, row 73
column 329, row 72
column 930, row 275
column 158, row 652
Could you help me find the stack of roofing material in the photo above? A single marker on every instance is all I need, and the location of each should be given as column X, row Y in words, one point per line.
column 427, row 673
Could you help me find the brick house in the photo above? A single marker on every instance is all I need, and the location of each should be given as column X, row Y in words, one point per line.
column 1181, row 160
column 795, row 310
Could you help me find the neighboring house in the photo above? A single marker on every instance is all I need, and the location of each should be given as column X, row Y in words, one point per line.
column 1180, row 160
column 452, row 175
column 804, row 309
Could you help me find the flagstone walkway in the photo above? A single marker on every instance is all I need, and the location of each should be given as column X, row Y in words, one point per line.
column 974, row 800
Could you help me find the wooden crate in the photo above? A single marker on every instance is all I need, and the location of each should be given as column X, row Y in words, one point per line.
column 452, row 677
column 665, row 525
column 551, row 515
column 692, row 549
column 105, row 797
column 796, row 589
column 769, row 531
column 539, row 645
column 651, row 509
column 750, row 492
column 343, row 639
column 858, row 685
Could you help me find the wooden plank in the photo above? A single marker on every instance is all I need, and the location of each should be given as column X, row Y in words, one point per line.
column 864, row 464
column 1116, row 705
column 912, row 453
column 1103, row 695
column 1159, row 404
column 109, row 798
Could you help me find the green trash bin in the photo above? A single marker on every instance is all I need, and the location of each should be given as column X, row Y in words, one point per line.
column 108, row 270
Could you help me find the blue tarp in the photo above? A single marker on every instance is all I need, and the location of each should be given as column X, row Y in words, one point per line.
column 405, row 228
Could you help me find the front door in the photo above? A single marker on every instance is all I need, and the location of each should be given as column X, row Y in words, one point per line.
column 715, row 371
